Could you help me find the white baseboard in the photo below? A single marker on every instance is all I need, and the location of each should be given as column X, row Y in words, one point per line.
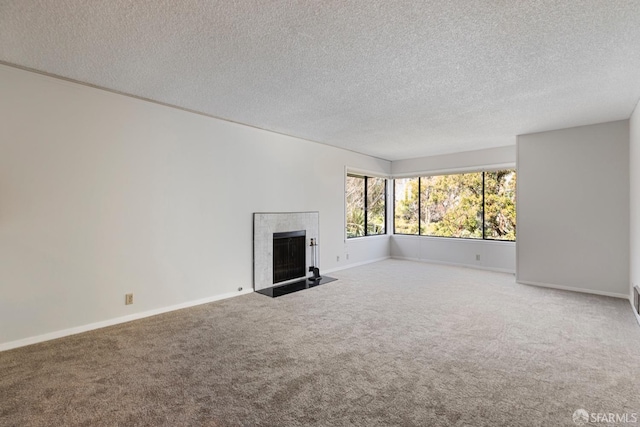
column 457, row 264
column 569, row 288
column 355, row 264
column 110, row 322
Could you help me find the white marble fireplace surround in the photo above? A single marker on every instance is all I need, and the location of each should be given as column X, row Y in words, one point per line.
column 264, row 225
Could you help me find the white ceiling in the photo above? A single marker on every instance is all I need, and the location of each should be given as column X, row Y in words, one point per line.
column 392, row 79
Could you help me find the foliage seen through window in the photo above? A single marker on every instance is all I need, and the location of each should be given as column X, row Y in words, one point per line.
column 478, row 205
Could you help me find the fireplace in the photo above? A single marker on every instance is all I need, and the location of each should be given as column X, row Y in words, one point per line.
column 289, row 255
column 267, row 226
column 284, row 248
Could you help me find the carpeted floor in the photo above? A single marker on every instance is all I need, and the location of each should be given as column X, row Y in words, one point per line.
column 390, row 343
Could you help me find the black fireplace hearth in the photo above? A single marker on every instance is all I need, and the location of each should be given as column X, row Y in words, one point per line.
column 278, row 291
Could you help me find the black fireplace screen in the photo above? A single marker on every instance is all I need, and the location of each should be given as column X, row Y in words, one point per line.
column 289, row 255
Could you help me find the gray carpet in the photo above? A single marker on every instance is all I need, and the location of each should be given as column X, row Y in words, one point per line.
column 391, row 343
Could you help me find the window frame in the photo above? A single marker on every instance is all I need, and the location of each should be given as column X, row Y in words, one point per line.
column 483, row 225
column 365, row 176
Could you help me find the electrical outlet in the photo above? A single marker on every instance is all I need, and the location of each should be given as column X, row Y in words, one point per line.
column 477, row 257
column 338, row 258
column 347, row 257
column 128, row 299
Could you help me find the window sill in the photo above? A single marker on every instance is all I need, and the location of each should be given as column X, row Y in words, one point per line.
column 456, row 239
column 374, row 236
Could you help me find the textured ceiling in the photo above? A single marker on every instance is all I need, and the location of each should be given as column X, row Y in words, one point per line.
column 393, row 79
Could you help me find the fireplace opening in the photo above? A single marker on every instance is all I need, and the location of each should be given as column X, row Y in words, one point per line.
column 289, row 255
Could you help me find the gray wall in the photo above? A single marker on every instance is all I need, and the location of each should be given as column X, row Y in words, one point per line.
column 634, row 200
column 573, row 208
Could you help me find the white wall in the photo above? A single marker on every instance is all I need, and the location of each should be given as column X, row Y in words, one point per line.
column 362, row 250
column 499, row 256
column 494, row 255
column 500, row 157
column 634, row 199
column 103, row 194
column 573, row 209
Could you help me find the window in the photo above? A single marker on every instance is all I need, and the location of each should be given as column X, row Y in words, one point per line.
column 478, row 205
column 452, row 205
column 355, row 206
column 406, row 206
column 500, row 205
column 366, row 199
